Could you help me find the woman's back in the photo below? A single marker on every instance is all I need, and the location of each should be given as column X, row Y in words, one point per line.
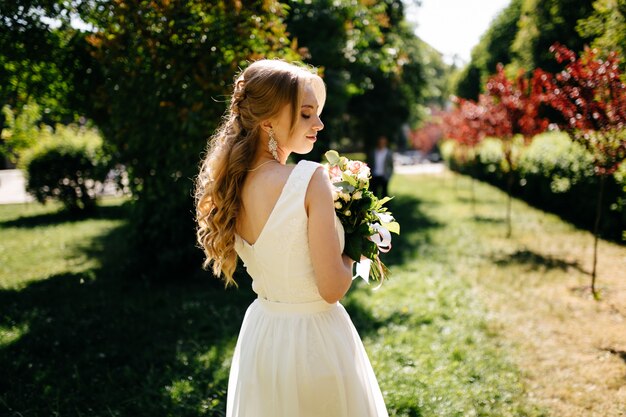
column 279, row 260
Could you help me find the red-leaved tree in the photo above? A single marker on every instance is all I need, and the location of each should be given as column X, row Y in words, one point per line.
column 591, row 97
column 511, row 109
column 464, row 125
column 426, row 137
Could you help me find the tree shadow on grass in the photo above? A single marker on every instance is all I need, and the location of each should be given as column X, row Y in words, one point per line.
column 415, row 235
column 65, row 216
column 103, row 343
column 367, row 323
column 488, row 220
column 619, row 353
column 108, row 343
column 415, row 227
column 535, row 261
column 480, row 200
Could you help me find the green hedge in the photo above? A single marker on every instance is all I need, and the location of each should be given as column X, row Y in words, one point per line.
column 553, row 173
column 68, row 165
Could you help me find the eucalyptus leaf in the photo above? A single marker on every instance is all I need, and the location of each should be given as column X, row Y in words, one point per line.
column 332, row 157
column 382, row 201
column 393, row 227
column 349, row 179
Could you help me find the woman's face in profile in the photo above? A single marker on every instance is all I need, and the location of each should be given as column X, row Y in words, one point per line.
column 308, row 123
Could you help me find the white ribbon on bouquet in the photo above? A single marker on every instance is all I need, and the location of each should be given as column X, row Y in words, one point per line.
column 382, row 239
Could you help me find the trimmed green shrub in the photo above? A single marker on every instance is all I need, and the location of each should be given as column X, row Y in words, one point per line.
column 68, row 165
column 555, row 174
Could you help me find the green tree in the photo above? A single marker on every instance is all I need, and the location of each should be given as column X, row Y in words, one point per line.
column 607, row 26
column 167, row 68
column 542, row 23
column 437, row 77
column 468, row 82
column 494, row 47
column 31, row 54
column 22, row 130
column 371, row 62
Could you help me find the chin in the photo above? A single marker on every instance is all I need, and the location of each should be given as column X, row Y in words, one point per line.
column 304, row 150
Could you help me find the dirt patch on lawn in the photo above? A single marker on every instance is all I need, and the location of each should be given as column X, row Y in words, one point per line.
column 570, row 348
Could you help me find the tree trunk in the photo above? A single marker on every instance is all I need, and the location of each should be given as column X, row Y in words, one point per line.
column 596, row 231
column 509, row 186
column 473, row 181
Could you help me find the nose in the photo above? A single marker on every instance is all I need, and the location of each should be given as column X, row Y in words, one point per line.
column 319, row 125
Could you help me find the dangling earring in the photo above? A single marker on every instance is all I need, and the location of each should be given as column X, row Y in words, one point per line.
column 273, row 145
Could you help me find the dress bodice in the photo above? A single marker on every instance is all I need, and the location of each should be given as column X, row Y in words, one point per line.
column 279, row 262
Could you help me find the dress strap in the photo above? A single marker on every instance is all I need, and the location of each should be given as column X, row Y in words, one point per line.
column 301, row 176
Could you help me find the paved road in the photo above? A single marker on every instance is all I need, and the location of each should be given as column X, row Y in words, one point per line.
column 12, row 187
column 435, row 168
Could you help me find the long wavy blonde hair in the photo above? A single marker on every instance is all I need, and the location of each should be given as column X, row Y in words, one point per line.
column 260, row 92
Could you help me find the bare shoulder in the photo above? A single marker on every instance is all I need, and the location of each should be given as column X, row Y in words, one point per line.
column 319, row 189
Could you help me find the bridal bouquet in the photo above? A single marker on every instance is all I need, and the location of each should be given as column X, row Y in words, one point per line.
column 367, row 223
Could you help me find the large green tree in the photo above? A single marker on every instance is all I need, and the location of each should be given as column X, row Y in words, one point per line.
column 29, row 56
column 166, row 69
column 607, row 25
column 544, row 22
column 437, row 77
column 494, row 47
column 372, row 65
column 32, row 58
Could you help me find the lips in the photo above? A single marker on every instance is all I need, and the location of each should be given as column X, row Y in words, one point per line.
column 313, row 138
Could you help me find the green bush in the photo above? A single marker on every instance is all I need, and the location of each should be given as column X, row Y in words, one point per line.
column 553, row 173
column 68, row 165
column 554, row 157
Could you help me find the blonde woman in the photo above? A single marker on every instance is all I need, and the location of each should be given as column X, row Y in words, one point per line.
column 298, row 353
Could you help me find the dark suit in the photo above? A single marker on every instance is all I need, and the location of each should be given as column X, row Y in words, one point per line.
column 378, row 183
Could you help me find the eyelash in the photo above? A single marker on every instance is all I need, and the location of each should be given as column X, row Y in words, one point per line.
column 306, row 117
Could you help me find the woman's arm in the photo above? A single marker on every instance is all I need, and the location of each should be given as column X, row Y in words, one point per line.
column 333, row 270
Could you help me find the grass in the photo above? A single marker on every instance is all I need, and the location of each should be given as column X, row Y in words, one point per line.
column 447, row 334
column 572, row 349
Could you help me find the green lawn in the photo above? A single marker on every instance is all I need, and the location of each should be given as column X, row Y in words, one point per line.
column 80, row 337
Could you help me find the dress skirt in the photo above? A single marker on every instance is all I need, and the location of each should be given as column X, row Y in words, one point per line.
column 301, row 360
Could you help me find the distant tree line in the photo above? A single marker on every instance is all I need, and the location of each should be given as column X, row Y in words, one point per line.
column 521, row 35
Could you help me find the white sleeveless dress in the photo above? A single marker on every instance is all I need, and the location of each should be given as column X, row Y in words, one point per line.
column 296, row 355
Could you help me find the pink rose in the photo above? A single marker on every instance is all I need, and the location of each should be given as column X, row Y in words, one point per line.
column 335, row 173
column 355, row 167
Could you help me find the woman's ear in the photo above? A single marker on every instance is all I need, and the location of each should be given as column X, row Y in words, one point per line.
column 266, row 125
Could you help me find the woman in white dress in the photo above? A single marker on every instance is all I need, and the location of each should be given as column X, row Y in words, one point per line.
column 298, row 353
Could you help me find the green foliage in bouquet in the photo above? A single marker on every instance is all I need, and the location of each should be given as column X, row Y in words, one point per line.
column 367, row 223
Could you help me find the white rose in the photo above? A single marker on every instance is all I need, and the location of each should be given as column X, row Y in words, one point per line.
column 345, row 197
column 338, row 205
column 357, row 195
column 347, row 212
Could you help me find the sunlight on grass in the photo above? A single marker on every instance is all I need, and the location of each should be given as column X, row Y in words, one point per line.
column 540, row 336
column 9, row 334
column 39, row 242
column 425, row 330
column 446, row 333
